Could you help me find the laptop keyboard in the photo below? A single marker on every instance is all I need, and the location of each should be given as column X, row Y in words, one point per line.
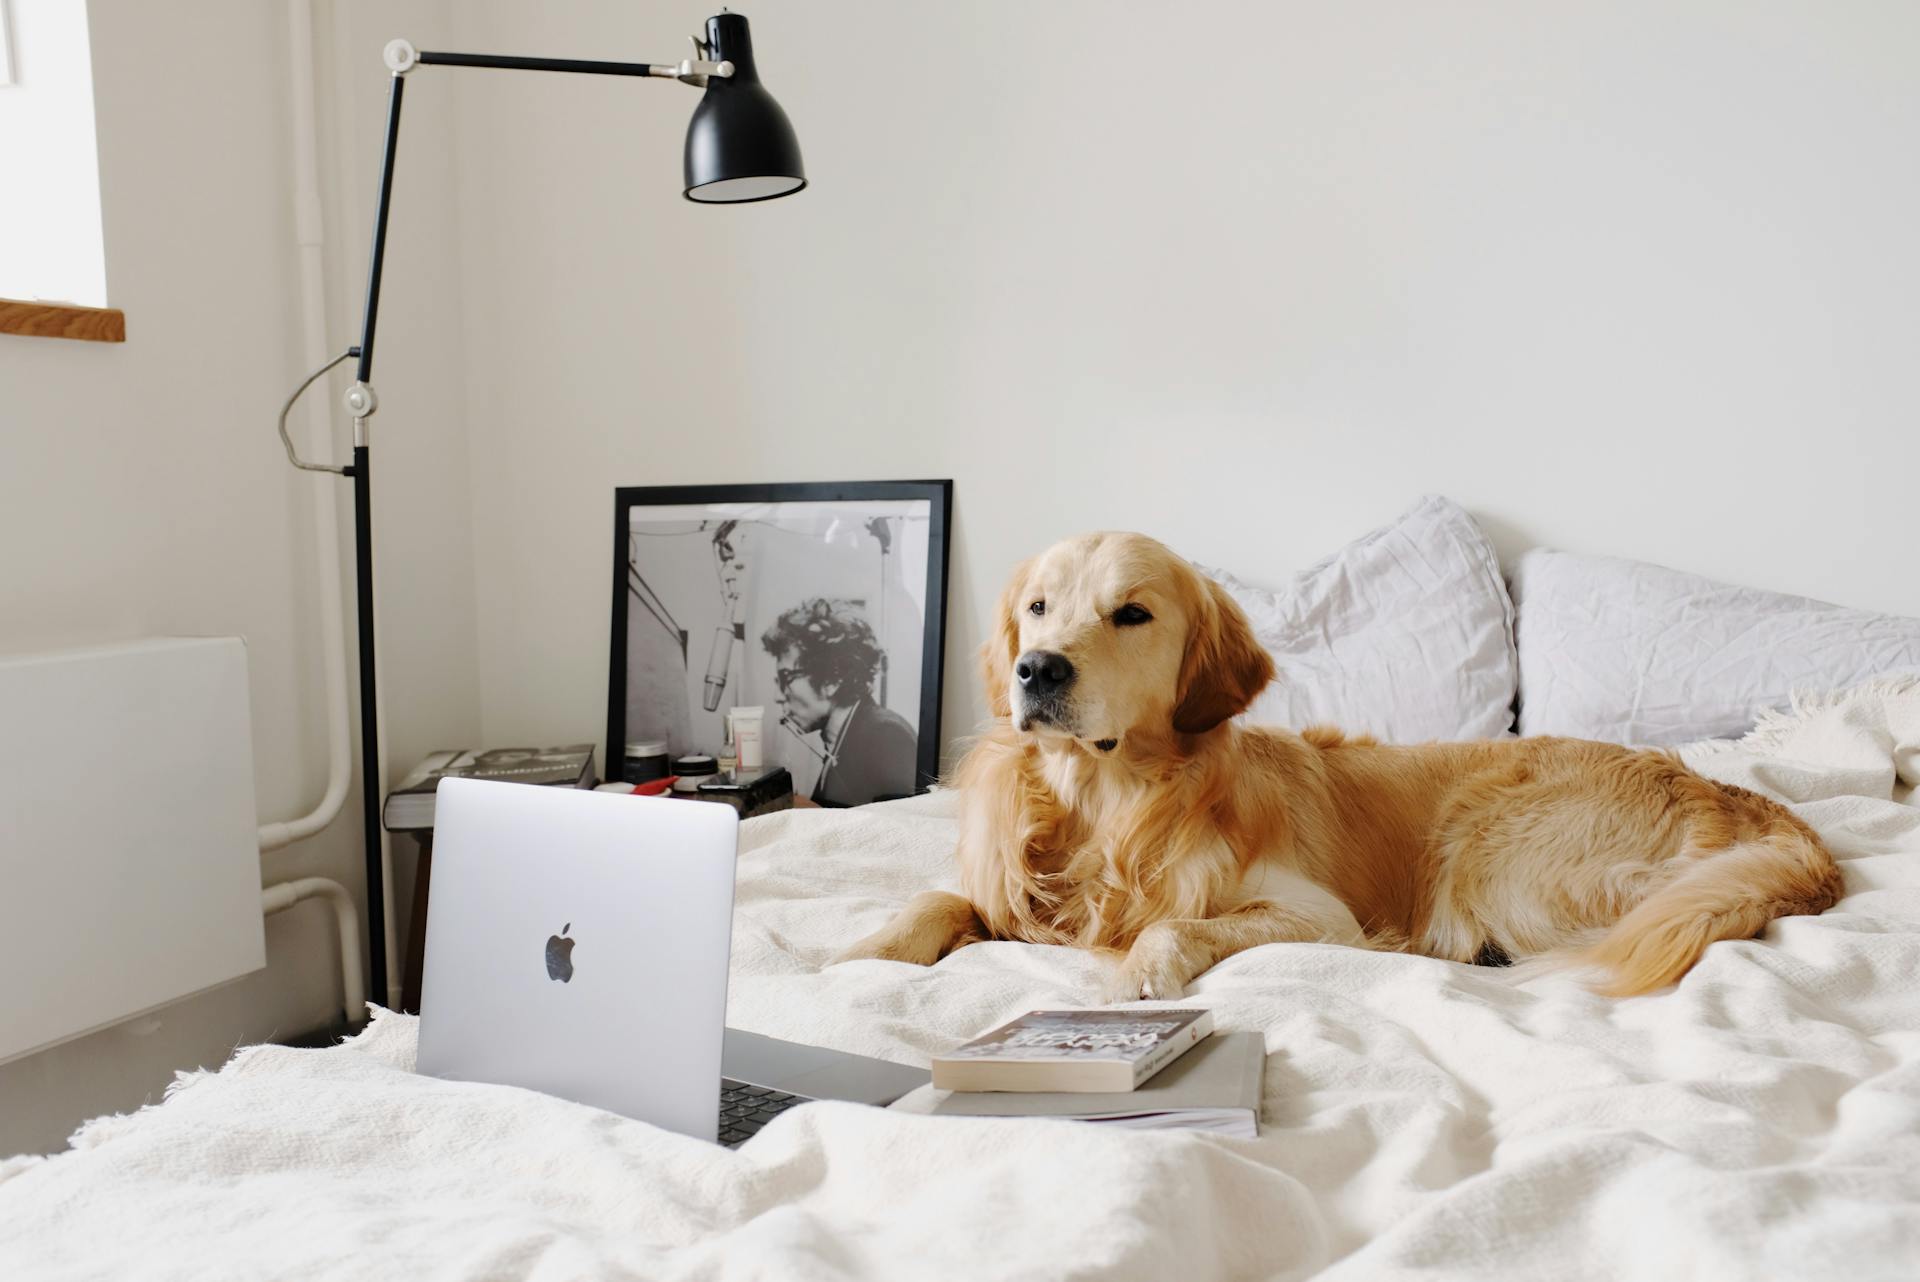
column 745, row 1109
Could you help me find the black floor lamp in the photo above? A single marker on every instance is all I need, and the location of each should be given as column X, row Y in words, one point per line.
column 740, row 148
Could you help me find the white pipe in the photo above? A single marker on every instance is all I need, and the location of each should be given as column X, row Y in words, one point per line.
column 308, row 139
column 307, row 211
column 310, row 230
column 286, row 894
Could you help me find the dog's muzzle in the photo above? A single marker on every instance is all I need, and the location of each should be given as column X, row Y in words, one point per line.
column 1045, row 679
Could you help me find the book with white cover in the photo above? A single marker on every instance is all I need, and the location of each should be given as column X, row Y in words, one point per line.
column 1216, row 1087
column 1072, row 1050
column 409, row 807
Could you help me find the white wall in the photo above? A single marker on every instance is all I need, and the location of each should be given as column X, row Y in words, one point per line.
column 1630, row 278
column 143, row 490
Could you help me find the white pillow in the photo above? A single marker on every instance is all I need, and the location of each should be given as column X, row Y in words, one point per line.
column 1406, row 634
column 1635, row 653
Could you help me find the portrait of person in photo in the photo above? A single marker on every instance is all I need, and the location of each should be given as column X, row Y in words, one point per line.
column 828, row 666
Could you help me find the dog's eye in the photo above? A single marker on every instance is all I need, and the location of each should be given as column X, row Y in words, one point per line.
column 1038, row 607
column 1131, row 615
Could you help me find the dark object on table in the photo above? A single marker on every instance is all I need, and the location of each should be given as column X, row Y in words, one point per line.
column 645, row 761
column 690, row 771
column 751, row 792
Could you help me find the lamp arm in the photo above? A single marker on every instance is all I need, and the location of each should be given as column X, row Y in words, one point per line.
column 361, row 401
column 401, row 57
column 661, row 70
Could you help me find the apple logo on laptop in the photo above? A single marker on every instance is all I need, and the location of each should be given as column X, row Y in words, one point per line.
column 560, row 955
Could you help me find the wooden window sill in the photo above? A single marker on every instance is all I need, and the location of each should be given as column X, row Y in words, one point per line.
column 61, row 320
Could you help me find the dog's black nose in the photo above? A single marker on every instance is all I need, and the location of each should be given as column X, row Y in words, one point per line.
column 1043, row 672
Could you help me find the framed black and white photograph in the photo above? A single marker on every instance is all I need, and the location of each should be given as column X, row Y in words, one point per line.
column 822, row 603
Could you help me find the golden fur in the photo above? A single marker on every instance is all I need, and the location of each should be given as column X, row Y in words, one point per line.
column 1131, row 816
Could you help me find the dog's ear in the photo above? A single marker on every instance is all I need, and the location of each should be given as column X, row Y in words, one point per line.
column 1224, row 667
column 1002, row 645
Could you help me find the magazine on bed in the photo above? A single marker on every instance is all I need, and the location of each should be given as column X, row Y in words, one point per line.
column 409, row 807
column 1072, row 1050
column 1215, row 1087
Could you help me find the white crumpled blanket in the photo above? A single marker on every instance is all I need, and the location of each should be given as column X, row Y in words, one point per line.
column 1422, row 1118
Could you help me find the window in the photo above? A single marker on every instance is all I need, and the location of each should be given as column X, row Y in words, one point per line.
column 51, row 248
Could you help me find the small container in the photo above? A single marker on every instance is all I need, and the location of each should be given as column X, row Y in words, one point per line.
column 692, row 770
column 644, row 760
column 746, row 724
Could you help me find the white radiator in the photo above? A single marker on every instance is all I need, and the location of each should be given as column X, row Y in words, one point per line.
column 129, row 848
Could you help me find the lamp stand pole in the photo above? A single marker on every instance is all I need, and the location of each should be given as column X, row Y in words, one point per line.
column 371, row 783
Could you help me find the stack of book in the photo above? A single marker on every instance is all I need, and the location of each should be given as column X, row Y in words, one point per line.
column 1141, row 1068
column 409, row 807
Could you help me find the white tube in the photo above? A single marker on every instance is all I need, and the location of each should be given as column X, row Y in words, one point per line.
column 307, row 212
column 310, row 231
column 286, row 894
column 747, row 745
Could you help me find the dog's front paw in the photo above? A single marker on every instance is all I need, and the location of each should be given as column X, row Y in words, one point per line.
column 928, row 928
column 1154, row 969
column 1125, row 986
column 891, row 945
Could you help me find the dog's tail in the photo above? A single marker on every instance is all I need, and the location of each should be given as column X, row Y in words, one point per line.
column 1729, row 893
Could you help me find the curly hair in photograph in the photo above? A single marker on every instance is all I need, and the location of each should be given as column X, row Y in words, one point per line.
column 833, row 643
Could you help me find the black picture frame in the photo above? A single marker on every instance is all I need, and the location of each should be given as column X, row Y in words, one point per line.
column 937, row 495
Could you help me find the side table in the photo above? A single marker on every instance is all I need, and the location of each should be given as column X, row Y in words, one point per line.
column 417, row 926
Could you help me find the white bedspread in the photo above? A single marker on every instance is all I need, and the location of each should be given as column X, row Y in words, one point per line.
column 1422, row 1118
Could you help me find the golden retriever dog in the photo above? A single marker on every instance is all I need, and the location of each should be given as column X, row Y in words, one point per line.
column 1115, row 805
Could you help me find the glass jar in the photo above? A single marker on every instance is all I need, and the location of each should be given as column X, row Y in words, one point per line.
column 644, row 761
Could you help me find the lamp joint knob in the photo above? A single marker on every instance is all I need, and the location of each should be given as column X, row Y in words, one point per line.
column 691, row 72
column 401, row 57
column 696, row 70
column 360, row 401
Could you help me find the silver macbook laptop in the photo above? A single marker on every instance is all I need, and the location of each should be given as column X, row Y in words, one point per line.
column 577, row 944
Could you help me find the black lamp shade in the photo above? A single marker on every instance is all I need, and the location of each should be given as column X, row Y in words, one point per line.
column 740, row 146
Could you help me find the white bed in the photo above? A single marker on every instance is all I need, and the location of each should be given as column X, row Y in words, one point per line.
column 1421, row 1118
